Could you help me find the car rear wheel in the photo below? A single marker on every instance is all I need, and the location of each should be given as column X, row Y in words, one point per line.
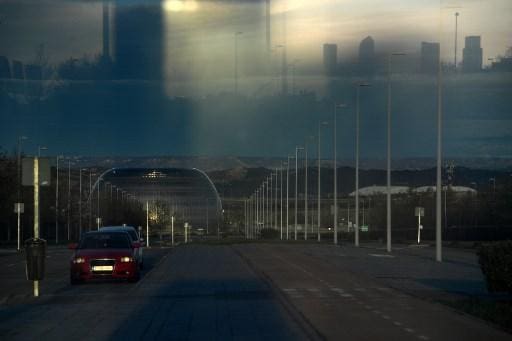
column 74, row 280
column 135, row 277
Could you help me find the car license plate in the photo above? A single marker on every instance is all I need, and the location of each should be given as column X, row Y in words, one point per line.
column 102, row 268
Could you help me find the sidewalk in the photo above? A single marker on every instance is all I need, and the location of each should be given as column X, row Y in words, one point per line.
column 412, row 269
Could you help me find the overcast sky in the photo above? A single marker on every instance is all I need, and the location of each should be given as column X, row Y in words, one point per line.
column 73, row 28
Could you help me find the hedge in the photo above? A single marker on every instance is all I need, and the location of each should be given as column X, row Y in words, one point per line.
column 496, row 262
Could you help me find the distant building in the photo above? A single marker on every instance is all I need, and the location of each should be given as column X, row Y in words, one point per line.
column 138, row 41
column 429, row 62
column 330, row 58
column 472, row 55
column 502, row 65
column 17, row 69
column 33, row 72
column 5, row 68
column 367, row 55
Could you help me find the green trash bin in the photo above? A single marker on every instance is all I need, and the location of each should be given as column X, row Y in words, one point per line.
column 35, row 251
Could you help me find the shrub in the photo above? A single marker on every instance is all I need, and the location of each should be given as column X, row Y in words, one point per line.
column 496, row 262
column 268, row 233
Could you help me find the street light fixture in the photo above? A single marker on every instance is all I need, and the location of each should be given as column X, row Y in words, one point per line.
column 39, row 148
column 296, row 186
column 358, row 87
column 388, row 167
column 320, row 124
column 335, row 167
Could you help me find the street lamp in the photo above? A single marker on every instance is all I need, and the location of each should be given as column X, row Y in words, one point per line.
column 306, row 216
column 296, row 186
column 39, row 148
column 358, row 87
column 388, row 168
column 319, row 171
column 57, row 200
column 287, row 196
column 335, row 167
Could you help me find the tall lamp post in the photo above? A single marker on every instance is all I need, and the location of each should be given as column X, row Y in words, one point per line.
column 356, row 230
column 335, row 167
column 287, row 197
column 296, row 187
column 18, row 208
column 57, row 199
column 319, row 182
column 388, row 167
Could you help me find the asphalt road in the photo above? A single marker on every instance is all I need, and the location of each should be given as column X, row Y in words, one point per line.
column 187, row 293
column 233, row 292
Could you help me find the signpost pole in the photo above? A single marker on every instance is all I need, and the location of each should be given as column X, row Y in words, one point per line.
column 19, row 237
column 147, row 223
column 36, row 213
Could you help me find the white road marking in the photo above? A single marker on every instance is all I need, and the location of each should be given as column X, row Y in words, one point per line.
column 385, row 317
column 423, row 337
column 409, row 330
column 380, row 255
column 396, row 323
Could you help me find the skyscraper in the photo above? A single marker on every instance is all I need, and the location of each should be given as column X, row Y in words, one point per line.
column 138, row 42
column 429, row 62
column 367, row 55
column 17, row 69
column 472, row 55
column 330, row 58
column 5, row 68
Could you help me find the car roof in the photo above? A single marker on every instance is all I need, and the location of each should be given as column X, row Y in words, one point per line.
column 117, row 228
column 103, row 232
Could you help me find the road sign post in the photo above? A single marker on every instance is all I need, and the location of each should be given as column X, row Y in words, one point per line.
column 19, row 208
column 172, row 230
column 35, row 172
column 419, row 212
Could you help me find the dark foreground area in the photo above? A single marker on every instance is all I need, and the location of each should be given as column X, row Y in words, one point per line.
column 253, row 291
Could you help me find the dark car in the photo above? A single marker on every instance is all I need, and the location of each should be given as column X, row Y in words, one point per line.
column 104, row 255
column 135, row 238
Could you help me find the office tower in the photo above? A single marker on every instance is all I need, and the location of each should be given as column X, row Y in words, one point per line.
column 429, row 62
column 367, row 55
column 330, row 58
column 106, row 30
column 5, row 68
column 138, row 42
column 17, row 69
column 33, row 72
column 472, row 55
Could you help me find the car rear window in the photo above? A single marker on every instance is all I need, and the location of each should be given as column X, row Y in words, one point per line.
column 105, row 241
column 133, row 235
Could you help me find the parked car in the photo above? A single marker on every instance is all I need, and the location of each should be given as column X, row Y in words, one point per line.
column 134, row 236
column 104, row 254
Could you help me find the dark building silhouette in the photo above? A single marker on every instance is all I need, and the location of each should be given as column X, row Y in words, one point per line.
column 17, row 69
column 502, row 65
column 138, row 40
column 367, row 56
column 33, row 72
column 106, row 30
column 330, row 58
column 5, row 68
column 472, row 55
column 429, row 61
